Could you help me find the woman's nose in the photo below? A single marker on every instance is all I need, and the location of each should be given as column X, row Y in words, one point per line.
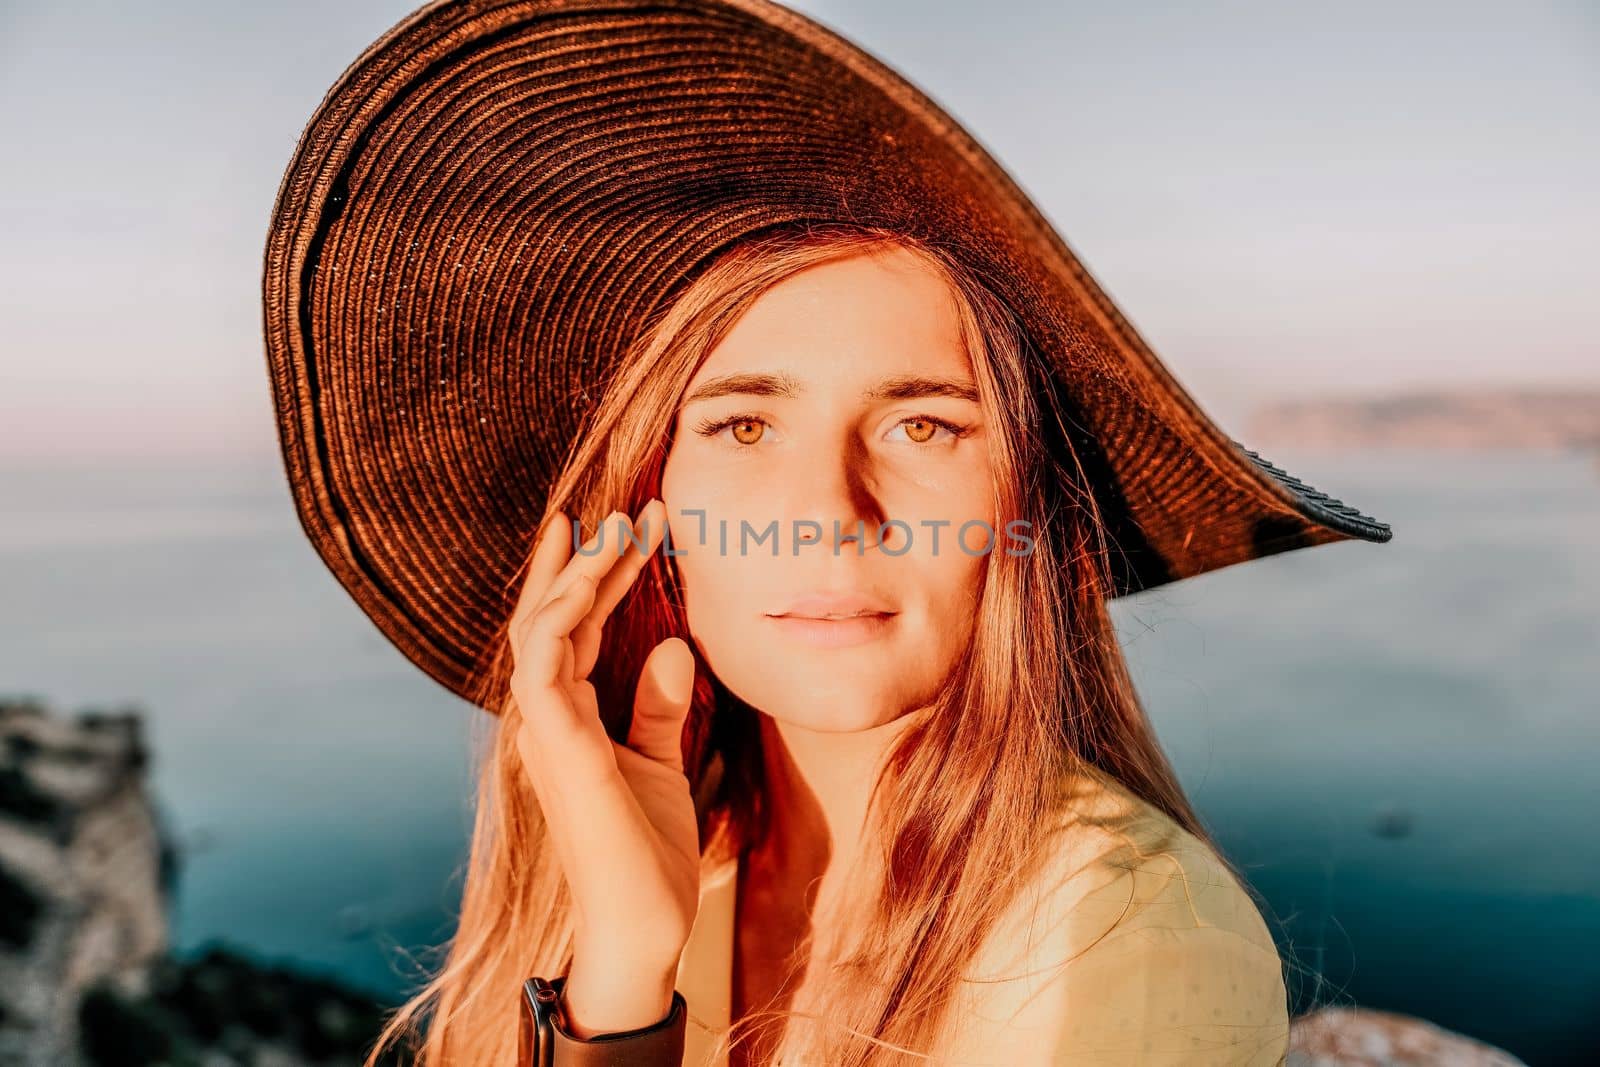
column 858, row 535
column 834, row 505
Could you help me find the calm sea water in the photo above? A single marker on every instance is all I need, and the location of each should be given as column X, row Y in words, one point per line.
column 1397, row 742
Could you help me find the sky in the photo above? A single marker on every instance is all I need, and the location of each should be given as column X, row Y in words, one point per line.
column 1284, row 198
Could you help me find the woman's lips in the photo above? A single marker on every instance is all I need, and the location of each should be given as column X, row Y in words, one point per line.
column 834, row 633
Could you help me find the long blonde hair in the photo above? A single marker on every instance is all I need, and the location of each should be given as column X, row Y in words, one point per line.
column 1045, row 690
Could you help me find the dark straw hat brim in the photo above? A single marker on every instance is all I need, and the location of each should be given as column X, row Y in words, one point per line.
column 492, row 199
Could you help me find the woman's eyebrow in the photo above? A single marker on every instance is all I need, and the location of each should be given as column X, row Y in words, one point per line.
column 898, row 387
column 915, row 386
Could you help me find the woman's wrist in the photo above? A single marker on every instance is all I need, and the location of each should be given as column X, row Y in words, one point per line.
column 606, row 993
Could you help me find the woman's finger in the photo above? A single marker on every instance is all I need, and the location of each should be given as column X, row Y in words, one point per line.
column 553, row 567
column 544, row 664
column 661, row 703
column 600, row 552
column 614, row 585
column 549, row 556
column 643, row 536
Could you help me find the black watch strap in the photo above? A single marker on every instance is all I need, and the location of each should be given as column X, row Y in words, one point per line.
column 546, row 1042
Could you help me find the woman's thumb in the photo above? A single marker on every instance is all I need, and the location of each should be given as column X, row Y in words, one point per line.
column 661, row 703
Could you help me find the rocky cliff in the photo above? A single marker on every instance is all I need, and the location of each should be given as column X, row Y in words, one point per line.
column 86, row 870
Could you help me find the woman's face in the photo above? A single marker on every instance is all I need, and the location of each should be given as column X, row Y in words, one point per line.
column 842, row 396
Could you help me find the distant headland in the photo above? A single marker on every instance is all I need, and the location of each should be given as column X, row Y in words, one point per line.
column 1479, row 417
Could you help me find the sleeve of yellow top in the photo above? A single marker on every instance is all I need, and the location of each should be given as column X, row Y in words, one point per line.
column 1157, row 959
column 1196, row 996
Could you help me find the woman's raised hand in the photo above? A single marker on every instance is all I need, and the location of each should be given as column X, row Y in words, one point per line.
column 621, row 819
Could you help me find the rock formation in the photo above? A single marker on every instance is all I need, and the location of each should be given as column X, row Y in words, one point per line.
column 1360, row 1037
column 86, row 871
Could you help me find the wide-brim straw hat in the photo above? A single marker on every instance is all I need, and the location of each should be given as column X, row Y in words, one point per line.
column 494, row 196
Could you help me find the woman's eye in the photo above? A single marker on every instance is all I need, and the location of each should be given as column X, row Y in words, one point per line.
column 747, row 429
column 922, row 429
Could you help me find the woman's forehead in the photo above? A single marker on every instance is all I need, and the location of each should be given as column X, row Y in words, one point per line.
column 844, row 324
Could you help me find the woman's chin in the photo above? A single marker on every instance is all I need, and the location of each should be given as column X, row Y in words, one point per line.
column 831, row 713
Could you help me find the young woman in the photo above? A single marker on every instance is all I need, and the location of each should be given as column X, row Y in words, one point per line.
column 676, row 382
column 953, row 829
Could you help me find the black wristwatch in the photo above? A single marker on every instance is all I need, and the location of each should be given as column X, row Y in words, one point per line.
column 544, row 1030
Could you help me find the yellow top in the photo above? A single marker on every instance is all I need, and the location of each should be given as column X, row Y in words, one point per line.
column 1138, row 947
